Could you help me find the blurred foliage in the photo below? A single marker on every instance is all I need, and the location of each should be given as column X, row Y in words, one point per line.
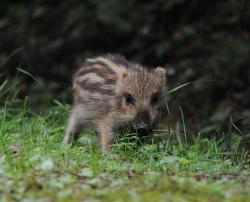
column 193, row 39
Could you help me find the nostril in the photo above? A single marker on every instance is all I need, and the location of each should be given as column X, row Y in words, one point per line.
column 140, row 125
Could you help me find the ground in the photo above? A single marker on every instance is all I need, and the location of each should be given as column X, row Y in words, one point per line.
column 35, row 166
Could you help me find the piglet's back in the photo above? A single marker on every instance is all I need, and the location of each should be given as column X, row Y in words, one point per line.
column 94, row 84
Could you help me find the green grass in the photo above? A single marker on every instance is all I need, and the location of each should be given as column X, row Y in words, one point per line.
column 34, row 166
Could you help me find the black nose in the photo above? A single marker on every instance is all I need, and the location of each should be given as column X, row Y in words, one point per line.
column 142, row 123
column 142, row 120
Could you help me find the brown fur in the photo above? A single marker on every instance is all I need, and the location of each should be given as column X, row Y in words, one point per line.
column 110, row 91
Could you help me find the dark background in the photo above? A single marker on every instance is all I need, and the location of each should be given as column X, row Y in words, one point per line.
column 195, row 40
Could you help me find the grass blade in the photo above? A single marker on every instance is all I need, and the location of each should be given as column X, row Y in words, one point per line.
column 30, row 75
column 184, row 85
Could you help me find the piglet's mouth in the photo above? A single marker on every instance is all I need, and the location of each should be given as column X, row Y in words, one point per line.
column 142, row 129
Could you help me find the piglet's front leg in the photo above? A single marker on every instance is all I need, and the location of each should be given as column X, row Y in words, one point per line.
column 106, row 136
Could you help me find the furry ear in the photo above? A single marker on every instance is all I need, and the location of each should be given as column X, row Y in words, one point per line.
column 124, row 74
column 161, row 73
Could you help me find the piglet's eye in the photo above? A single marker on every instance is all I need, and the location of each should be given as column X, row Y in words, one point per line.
column 128, row 99
column 155, row 98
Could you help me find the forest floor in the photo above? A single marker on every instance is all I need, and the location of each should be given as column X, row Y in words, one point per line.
column 35, row 166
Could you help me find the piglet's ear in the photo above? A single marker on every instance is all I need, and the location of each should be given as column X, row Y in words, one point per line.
column 124, row 74
column 161, row 73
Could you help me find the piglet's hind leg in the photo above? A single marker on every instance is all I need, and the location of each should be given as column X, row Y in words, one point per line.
column 73, row 129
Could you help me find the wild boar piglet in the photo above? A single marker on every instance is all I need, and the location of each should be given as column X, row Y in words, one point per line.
column 111, row 92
